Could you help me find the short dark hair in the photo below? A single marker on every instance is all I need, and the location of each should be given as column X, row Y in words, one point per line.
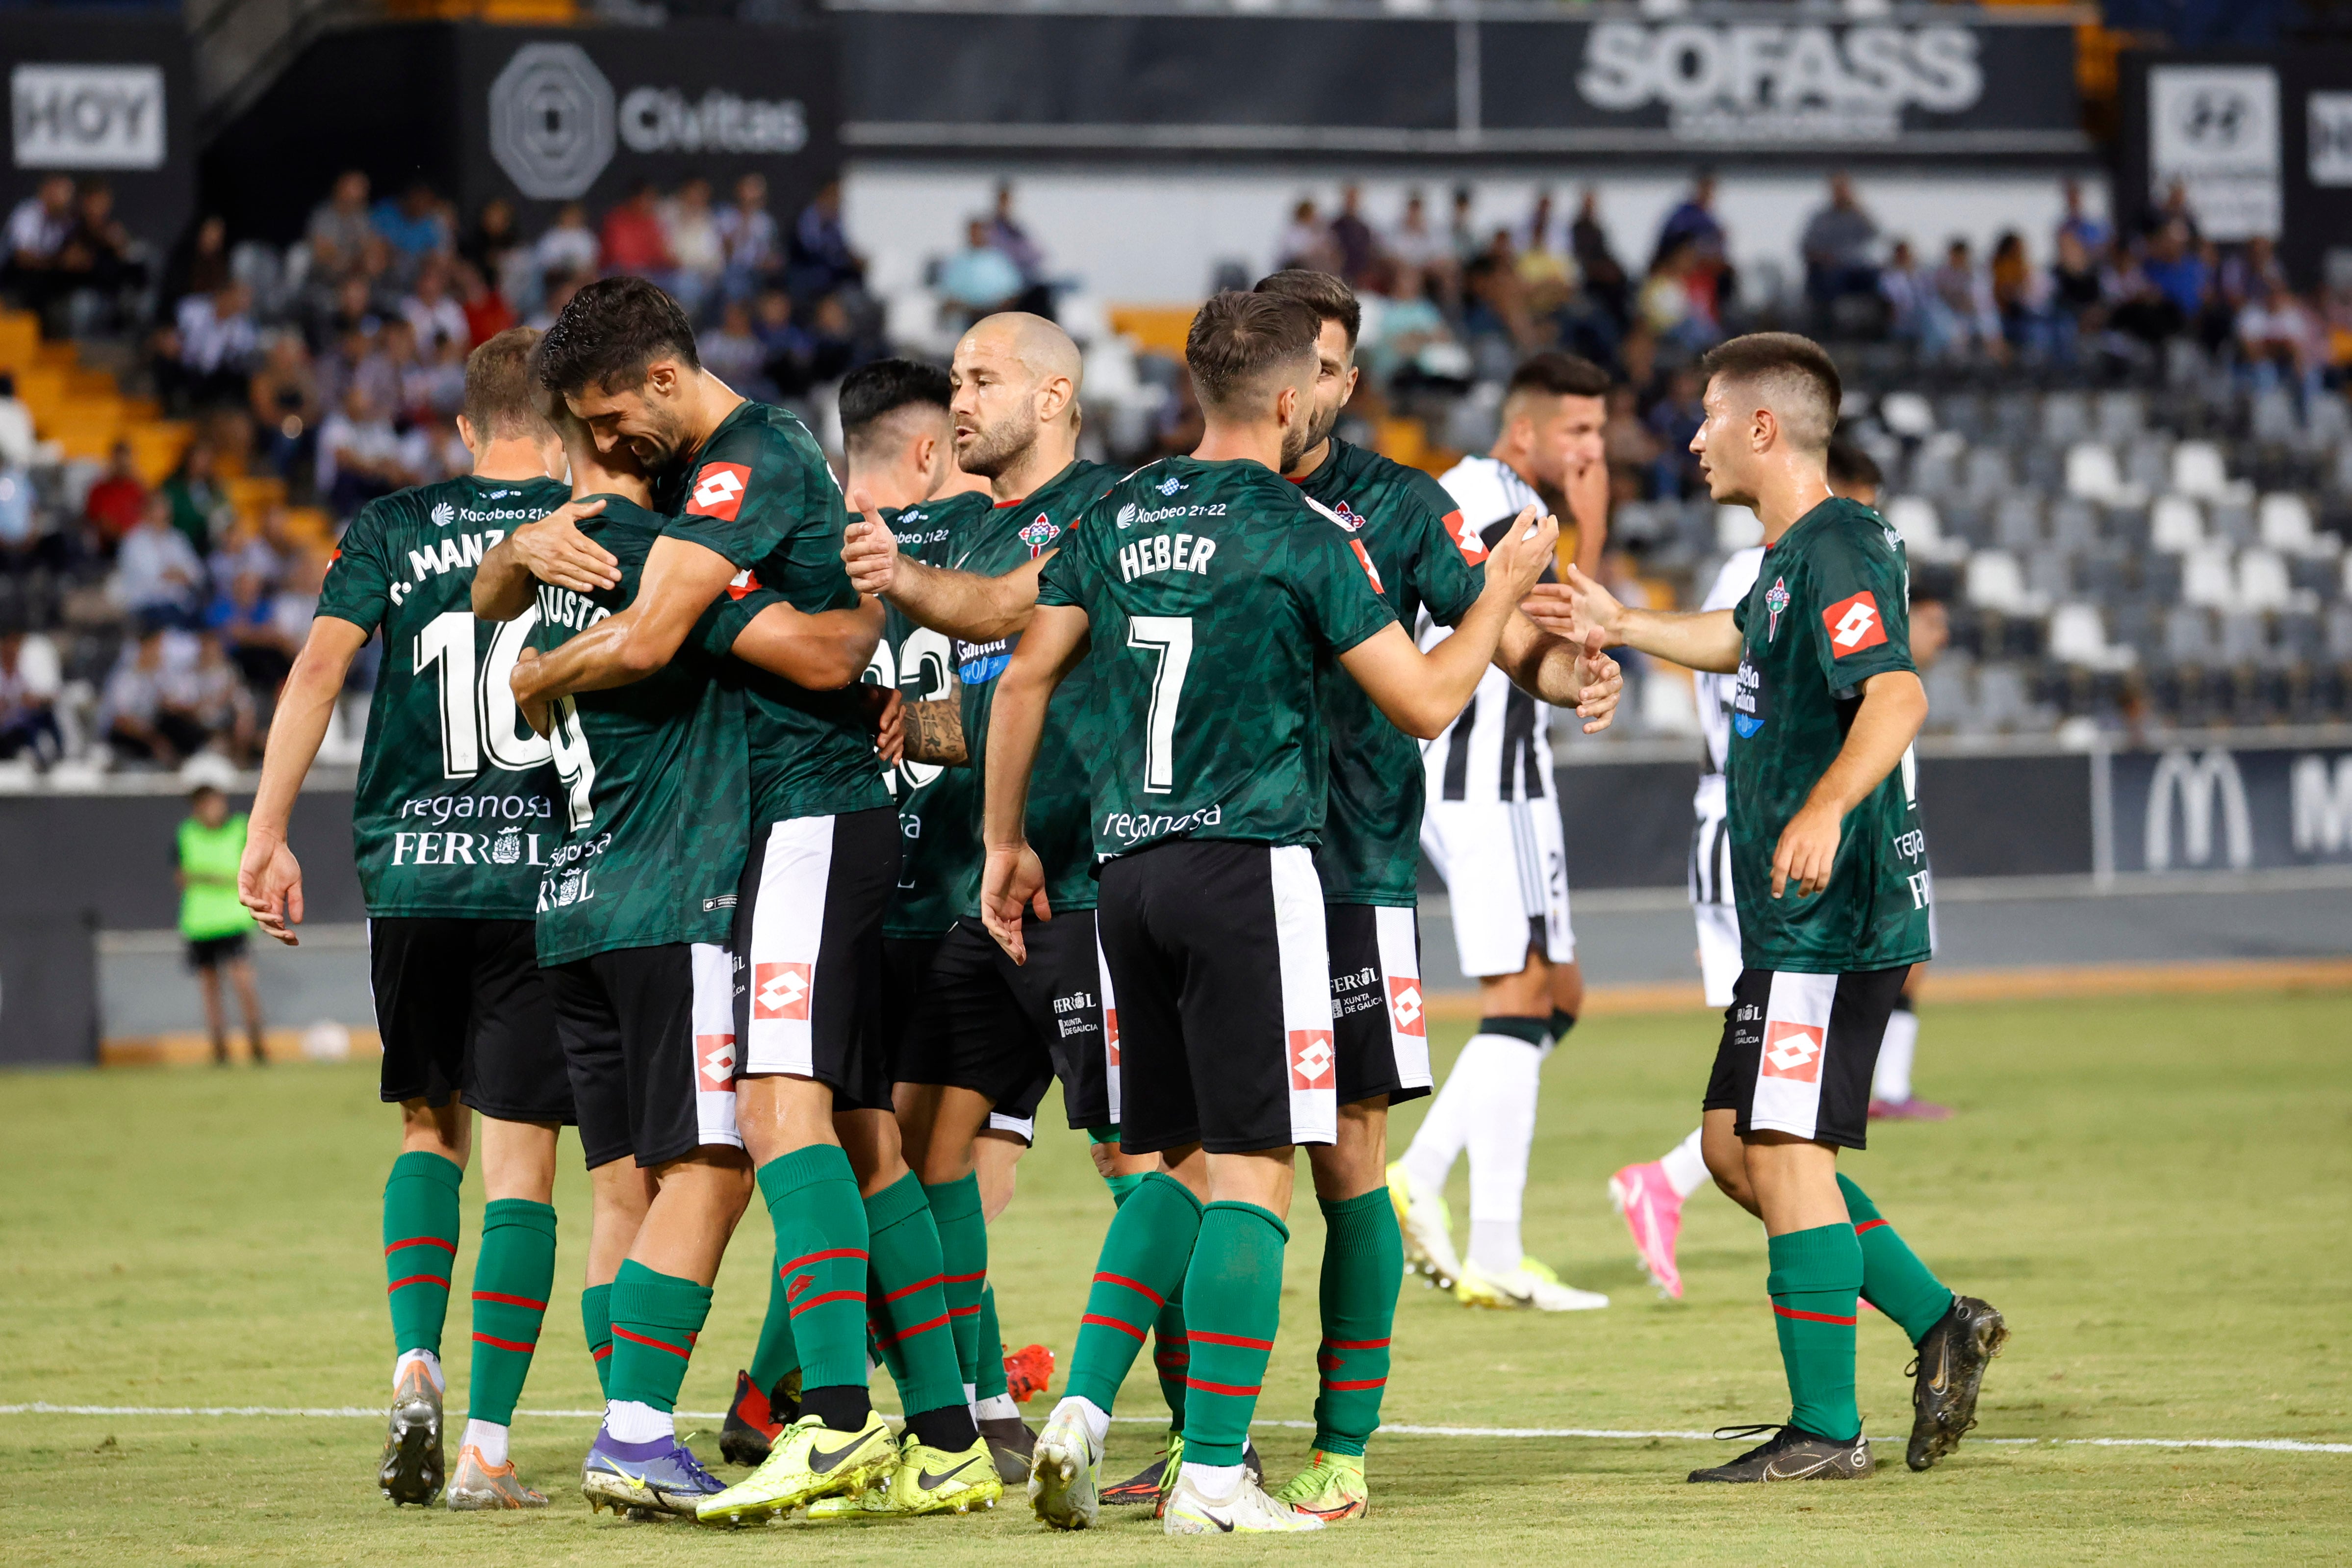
column 1851, row 466
column 872, row 393
column 1790, row 365
column 501, row 401
column 609, row 333
column 203, row 790
column 1327, row 296
column 1560, row 373
column 1236, row 338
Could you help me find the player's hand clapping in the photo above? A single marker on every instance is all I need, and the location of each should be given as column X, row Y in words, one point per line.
column 1575, row 606
column 1520, row 556
column 558, row 552
column 1012, row 879
column 1603, row 684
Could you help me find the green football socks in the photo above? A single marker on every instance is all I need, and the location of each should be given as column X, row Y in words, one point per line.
column 776, row 1356
column 1363, row 1269
column 990, row 1384
column 821, row 1248
column 596, row 1322
column 420, row 1246
column 1142, row 1266
column 963, row 1253
column 909, row 1275
column 512, row 1278
column 655, row 1318
column 1816, row 1278
column 1894, row 1280
column 1234, row 1288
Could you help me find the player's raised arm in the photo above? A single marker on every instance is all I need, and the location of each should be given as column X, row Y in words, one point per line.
column 961, row 603
column 1698, row 639
column 1012, row 877
column 1422, row 693
column 680, row 580
column 1566, row 672
column 818, row 652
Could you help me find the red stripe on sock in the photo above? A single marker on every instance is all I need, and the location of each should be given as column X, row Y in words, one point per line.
column 1814, row 1317
column 1112, row 1323
column 1868, row 1224
column 963, row 1311
column 510, row 1300
column 917, row 1285
column 964, row 1279
column 1356, row 1345
column 1344, row 1387
column 599, row 1352
column 1203, row 1337
column 1156, row 1298
column 829, row 1296
column 840, row 1252
column 448, row 1247
column 938, row 1323
column 1250, row 1392
column 621, row 1333
column 440, row 1280
column 506, row 1344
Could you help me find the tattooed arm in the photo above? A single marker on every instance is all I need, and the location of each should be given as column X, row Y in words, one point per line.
column 935, row 733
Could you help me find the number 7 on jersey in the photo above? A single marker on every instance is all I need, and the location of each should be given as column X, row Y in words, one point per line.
column 1169, row 637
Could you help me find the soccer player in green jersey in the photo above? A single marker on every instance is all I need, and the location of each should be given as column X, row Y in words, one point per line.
column 1829, row 864
column 454, row 820
column 1204, row 598
column 1422, row 558
column 751, row 503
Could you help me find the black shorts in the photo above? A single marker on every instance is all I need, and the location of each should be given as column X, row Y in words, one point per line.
column 1798, row 1051
column 649, row 1041
column 808, row 940
column 462, row 1009
column 1220, row 997
column 1379, row 1025
column 1002, row 1030
column 212, row 951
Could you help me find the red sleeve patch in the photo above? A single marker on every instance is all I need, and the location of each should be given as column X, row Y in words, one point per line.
column 1370, row 570
column 718, row 491
column 1854, row 624
column 743, row 583
column 1474, row 549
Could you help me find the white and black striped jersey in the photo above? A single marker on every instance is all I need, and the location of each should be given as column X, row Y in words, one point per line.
column 1710, row 858
column 1499, row 750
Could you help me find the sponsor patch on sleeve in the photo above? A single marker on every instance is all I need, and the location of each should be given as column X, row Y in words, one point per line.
column 1854, row 624
column 718, row 491
column 1474, row 549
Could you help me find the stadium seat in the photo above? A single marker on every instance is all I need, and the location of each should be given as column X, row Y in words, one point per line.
column 2092, row 473
column 2078, row 636
column 2197, row 470
column 1907, row 414
column 2285, row 525
column 2206, row 578
column 1915, row 519
column 1988, row 477
column 2122, row 415
column 2065, row 418
column 2017, row 521
column 2262, row 583
column 1736, row 528
column 1996, row 581
column 2188, row 634
column 2175, row 523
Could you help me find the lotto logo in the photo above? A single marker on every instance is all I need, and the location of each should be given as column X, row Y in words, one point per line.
column 1792, row 1051
column 1404, row 1005
column 780, row 991
column 1474, row 549
column 1110, row 1035
column 714, row 1062
column 743, row 583
column 1311, row 1059
column 718, row 491
column 1854, row 624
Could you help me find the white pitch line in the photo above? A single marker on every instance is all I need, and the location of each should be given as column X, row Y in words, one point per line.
column 1604, row 1434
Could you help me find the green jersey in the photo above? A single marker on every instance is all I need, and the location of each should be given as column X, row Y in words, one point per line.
column 1830, row 609
column 1211, row 589
column 1412, row 533
column 1003, row 538
column 939, row 807
column 758, row 492
column 655, row 792
column 455, row 812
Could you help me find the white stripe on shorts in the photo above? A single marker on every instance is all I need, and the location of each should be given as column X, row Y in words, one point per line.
column 714, row 1043
column 1021, row 1127
column 1304, row 958
column 787, row 928
column 1396, row 933
column 1796, row 1047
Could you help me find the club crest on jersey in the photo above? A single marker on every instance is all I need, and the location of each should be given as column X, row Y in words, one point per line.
column 1776, row 601
column 1039, row 533
column 1350, row 519
column 718, row 491
column 444, row 514
column 1170, row 485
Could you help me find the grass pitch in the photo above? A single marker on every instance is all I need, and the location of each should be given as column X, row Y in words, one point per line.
column 2158, row 1194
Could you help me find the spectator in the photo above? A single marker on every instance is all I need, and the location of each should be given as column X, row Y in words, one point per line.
column 732, row 352
column 215, row 925
column 432, row 313
column 30, row 677
column 787, row 351
column 19, row 445
column 1676, row 303
column 243, row 616
column 1462, row 228
column 1604, row 275
column 820, row 261
column 634, row 239
column 130, row 711
column 1411, row 345
column 25, row 539
column 1005, row 232
column 217, row 342
column 1418, row 246
column 561, row 287
column 362, row 456
column 348, row 309
column 1904, row 287
column 434, row 388
column 296, row 602
column 2176, row 270
column 158, row 576
column 199, row 503
column 980, row 279
column 1693, row 222
column 2143, row 312
column 570, row 246
column 100, row 254
column 1542, row 268
column 248, row 551
column 690, row 230
column 1837, row 245
column 207, row 695
column 198, row 264
column 2077, row 295
column 38, row 227
column 2089, row 233
column 1308, row 242
column 414, row 227
column 1959, row 316
column 339, row 229
column 747, row 232
column 2018, row 294
column 118, row 501
column 494, row 242
column 1497, row 305
column 2282, row 341
column 1358, row 251
column 1674, row 419
column 1627, row 446
column 488, row 313
column 285, row 398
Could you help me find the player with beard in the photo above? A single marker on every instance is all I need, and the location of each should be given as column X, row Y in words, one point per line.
column 752, row 502
column 1423, row 559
